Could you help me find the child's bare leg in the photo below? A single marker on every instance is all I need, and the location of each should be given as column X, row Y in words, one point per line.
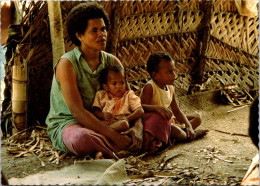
column 120, row 126
column 180, row 135
column 194, row 119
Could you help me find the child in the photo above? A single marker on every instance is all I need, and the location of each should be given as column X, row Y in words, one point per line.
column 156, row 98
column 115, row 105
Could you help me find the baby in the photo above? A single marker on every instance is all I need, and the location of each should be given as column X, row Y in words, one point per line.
column 116, row 105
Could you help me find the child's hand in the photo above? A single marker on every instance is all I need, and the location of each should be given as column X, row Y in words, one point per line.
column 164, row 112
column 109, row 117
column 190, row 133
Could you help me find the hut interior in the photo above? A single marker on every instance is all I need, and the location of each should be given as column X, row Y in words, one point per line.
column 215, row 47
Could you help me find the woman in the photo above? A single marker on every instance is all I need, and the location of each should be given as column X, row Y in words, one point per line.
column 71, row 125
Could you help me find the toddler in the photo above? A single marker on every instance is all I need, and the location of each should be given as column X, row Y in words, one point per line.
column 116, row 105
column 159, row 103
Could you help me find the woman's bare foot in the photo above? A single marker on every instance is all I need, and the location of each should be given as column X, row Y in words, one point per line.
column 99, row 155
column 200, row 133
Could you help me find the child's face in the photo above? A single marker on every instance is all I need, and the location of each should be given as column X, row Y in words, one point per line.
column 116, row 84
column 166, row 73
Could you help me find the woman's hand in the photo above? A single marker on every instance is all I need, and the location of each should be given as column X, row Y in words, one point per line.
column 166, row 113
column 137, row 140
column 136, row 133
column 122, row 142
column 190, row 133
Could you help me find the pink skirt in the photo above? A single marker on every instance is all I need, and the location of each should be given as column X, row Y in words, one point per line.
column 82, row 141
column 157, row 131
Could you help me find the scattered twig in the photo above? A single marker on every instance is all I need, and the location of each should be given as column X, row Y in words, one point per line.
column 234, row 134
column 179, row 180
column 141, row 155
column 222, row 159
column 168, row 160
column 237, row 108
column 117, row 158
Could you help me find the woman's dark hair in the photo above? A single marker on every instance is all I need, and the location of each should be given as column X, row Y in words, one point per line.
column 79, row 15
column 104, row 72
column 253, row 129
column 155, row 59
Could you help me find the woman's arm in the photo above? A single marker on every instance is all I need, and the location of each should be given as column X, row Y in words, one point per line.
column 66, row 75
column 98, row 113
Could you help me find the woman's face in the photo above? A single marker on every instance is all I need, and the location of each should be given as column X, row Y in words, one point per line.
column 95, row 35
column 116, row 84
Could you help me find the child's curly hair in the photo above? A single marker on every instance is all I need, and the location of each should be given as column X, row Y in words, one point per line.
column 155, row 59
column 104, row 72
column 79, row 15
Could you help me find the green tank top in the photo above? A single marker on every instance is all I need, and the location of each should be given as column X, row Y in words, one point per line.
column 87, row 80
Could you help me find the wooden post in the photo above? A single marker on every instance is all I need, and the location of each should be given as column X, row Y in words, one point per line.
column 205, row 26
column 19, row 93
column 114, row 30
column 56, row 30
column 205, row 39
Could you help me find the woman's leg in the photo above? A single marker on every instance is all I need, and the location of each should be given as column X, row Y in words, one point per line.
column 81, row 141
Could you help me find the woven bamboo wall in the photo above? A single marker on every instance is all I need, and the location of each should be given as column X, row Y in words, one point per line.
column 211, row 43
column 232, row 53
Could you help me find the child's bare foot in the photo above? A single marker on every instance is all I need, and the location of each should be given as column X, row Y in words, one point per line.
column 200, row 133
column 99, row 155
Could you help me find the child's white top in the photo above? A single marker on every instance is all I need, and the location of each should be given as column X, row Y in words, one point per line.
column 161, row 97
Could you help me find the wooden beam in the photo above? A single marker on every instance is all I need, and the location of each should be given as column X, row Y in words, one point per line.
column 56, row 30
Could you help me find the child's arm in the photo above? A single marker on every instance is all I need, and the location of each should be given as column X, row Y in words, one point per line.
column 180, row 116
column 146, row 99
column 135, row 115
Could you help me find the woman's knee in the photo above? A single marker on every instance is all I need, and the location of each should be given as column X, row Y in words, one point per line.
column 76, row 140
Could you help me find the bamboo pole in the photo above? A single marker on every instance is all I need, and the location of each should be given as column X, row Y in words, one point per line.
column 56, row 30
column 19, row 94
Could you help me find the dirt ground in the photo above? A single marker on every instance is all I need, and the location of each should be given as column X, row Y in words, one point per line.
column 219, row 158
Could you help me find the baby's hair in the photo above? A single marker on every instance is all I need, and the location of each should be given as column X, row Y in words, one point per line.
column 79, row 15
column 155, row 59
column 104, row 72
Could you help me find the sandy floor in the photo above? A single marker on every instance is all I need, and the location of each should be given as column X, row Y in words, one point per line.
column 218, row 158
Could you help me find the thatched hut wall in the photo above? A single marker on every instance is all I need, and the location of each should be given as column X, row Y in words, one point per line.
column 211, row 43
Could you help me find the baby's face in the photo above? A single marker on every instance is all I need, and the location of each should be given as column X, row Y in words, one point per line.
column 166, row 73
column 116, row 84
